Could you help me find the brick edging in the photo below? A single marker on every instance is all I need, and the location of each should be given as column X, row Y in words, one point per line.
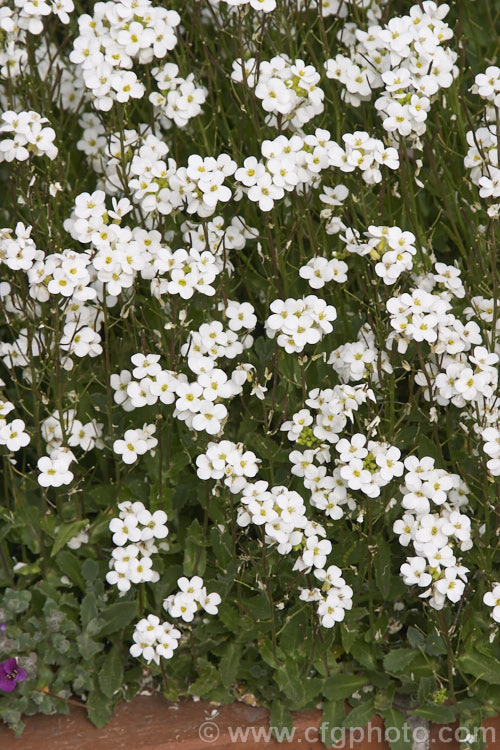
column 152, row 723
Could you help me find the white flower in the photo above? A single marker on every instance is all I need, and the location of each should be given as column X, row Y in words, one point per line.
column 154, row 524
column 413, row 572
column 144, row 645
column 316, row 552
column 210, row 603
column 132, row 446
column 54, row 472
column 209, row 417
column 125, row 530
column 492, row 599
column 13, row 436
column 450, row 585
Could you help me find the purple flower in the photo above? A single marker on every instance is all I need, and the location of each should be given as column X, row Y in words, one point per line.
column 10, row 674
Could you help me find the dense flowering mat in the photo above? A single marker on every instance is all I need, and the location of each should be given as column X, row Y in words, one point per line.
column 249, row 345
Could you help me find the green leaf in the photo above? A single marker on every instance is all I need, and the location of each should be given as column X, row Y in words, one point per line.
column 437, row 714
column 426, row 687
column 70, row 566
column 427, row 447
column 349, row 631
column 341, row 686
column 332, row 716
column 221, row 546
column 267, row 653
column 435, row 645
column 117, row 617
column 195, row 553
column 229, row 664
column 87, row 647
column 290, row 681
column 421, row 666
column 280, row 721
column 415, row 638
column 230, row 617
column 99, row 709
column 16, row 601
column 208, row 679
column 480, row 666
column 360, row 715
column 384, row 697
column 382, row 566
column 111, row 673
column 489, row 695
column 399, row 659
column 363, row 653
column 89, row 570
column 397, row 730
column 88, row 610
column 292, row 633
column 66, row 532
column 259, row 606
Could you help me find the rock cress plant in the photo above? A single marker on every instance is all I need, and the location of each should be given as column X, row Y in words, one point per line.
column 249, row 342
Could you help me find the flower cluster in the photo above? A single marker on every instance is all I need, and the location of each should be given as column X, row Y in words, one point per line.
column 328, row 492
column 391, row 248
column 419, row 316
column 362, row 151
column 135, row 443
column 281, row 513
column 181, row 98
column 438, row 529
column 288, row 89
column 360, row 359
column 334, row 406
column 23, row 134
column 319, row 271
column 30, row 16
column 367, row 466
column 17, row 254
column 135, row 530
column 405, row 57
column 153, row 639
column 299, row 322
column 482, row 160
column 197, row 403
column 64, row 276
column 212, row 341
column 116, row 37
column 462, row 384
column 293, row 164
column 164, row 188
column 461, row 368
column 228, row 461
column 56, row 430
column 334, row 597
column 190, row 599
